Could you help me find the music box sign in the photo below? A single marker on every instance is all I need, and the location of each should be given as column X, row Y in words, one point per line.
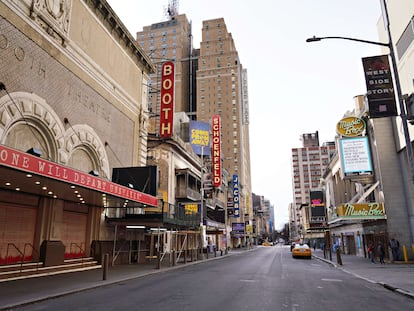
column 351, row 127
column 373, row 210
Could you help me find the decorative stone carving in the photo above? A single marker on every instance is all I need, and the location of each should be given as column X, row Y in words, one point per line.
column 53, row 16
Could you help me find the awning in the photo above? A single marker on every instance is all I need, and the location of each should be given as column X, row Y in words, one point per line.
column 27, row 173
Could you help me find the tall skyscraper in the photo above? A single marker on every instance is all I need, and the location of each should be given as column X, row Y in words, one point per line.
column 222, row 89
column 209, row 81
column 170, row 40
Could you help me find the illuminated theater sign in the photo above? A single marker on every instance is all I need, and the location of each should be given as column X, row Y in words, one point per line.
column 372, row 210
column 167, row 100
column 216, row 150
column 236, row 196
column 380, row 89
column 351, row 127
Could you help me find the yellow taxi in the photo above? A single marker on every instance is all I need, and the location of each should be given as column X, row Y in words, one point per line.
column 301, row 250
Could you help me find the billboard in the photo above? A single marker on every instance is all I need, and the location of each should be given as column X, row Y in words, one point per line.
column 317, row 203
column 316, row 198
column 167, row 100
column 237, row 227
column 380, row 89
column 142, row 178
column 355, row 156
column 200, row 137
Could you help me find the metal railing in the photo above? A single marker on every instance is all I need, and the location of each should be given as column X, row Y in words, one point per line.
column 74, row 245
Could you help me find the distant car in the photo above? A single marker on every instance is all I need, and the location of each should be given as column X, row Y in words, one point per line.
column 301, row 250
column 266, row 243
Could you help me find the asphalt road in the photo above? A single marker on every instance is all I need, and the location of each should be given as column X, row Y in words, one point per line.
column 267, row 278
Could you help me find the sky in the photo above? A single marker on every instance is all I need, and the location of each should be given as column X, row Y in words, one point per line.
column 294, row 87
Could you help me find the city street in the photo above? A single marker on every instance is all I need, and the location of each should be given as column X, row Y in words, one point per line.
column 267, row 278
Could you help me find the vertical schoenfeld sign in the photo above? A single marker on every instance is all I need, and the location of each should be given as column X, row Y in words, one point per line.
column 216, row 149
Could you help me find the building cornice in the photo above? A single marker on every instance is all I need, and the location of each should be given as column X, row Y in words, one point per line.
column 110, row 20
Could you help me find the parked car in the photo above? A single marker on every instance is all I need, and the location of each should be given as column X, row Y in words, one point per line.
column 301, row 250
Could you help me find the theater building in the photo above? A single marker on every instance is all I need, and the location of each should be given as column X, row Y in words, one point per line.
column 72, row 108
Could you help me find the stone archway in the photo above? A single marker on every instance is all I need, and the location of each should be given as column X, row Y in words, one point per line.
column 28, row 121
column 85, row 151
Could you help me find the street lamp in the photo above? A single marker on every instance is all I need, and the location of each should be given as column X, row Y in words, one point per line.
column 314, row 39
column 403, row 113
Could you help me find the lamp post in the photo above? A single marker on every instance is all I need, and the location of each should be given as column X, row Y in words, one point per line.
column 403, row 113
column 400, row 98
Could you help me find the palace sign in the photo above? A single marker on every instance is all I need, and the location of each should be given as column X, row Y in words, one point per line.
column 167, row 100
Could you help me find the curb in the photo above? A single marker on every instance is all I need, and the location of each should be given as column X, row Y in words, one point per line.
column 385, row 285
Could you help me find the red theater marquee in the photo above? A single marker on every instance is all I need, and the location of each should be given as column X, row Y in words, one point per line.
column 167, row 100
column 32, row 164
column 216, row 150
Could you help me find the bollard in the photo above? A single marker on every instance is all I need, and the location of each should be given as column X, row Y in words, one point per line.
column 105, row 265
column 159, row 260
column 405, row 254
column 174, row 259
column 338, row 256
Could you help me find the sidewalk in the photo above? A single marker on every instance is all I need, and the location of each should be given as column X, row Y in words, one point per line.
column 27, row 291
column 398, row 277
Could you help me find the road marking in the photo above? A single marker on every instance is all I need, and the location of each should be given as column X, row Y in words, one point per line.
column 247, row 281
column 331, row 280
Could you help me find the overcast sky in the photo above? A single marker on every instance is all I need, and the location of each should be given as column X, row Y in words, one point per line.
column 294, row 87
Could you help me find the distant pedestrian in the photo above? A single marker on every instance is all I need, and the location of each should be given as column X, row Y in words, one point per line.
column 371, row 252
column 381, row 252
column 314, row 245
column 395, row 248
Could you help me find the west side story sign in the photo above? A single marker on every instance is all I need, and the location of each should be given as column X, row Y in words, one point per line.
column 380, row 89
